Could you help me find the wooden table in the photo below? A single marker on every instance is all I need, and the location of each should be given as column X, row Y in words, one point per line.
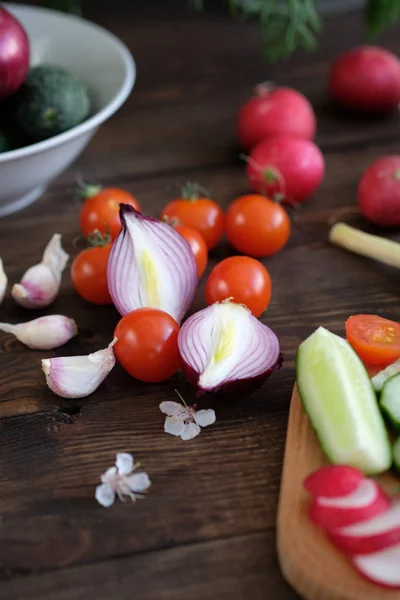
column 207, row 529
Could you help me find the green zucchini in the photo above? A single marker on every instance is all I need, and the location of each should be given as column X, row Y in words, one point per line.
column 390, row 401
column 341, row 404
column 381, row 378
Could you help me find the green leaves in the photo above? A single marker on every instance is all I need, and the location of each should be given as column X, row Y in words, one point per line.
column 381, row 13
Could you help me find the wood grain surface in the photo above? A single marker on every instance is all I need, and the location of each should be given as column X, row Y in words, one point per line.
column 309, row 561
column 207, row 527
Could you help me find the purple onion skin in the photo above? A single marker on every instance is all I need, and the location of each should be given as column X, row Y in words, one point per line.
column 231, row 389
column 14, row 54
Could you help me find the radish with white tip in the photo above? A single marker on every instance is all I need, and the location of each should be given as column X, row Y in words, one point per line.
column 381, row 568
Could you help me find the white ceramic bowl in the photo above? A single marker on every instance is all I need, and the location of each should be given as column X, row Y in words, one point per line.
column 101, row 61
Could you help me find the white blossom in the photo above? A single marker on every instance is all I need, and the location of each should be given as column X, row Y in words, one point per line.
column 121, row 480
column 184, row 421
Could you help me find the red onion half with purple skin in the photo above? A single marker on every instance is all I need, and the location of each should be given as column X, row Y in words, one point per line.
column 224, row 348
column 14, row 54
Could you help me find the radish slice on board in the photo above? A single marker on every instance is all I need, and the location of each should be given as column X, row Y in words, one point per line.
column 382, row 568
column 366, row 502
column 333, row 481
column 372, row 535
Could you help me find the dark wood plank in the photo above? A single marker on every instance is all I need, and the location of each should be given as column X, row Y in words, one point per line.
column 243, row 567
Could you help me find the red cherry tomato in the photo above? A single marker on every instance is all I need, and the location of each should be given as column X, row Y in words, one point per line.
column 257, row 226
column 202, row 214
column 147, row 345
column 197, row 244
column 376, row 340
column 101, row 211
column 242, row 278
column 89, row 274
column 366, row 79
column 273, row 111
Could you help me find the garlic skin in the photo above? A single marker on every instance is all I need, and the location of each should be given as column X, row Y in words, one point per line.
column 44, row 333
column 78, row 376
column 3, row 281
column 151, row 265
column 40, row 284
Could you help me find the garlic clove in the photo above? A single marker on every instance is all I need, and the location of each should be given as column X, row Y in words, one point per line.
column 78, row 376
column 151, row 265
column 224, row 347
column 40, row 284
column 3, row 281
column 44, row 333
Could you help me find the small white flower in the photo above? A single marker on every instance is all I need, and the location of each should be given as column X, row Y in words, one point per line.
column 184, row 421
column 122, row 481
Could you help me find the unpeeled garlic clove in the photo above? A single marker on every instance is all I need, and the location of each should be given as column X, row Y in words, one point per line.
column 78, row 376
column 44, row 333
column 40, row 284
column 3, row 281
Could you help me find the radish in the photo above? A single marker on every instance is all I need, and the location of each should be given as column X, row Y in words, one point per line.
column 333, row 481
column 273, row 111
column 14, row 53
column 379, row 192
column 370, row 536
column 382, row 568
column 366, row 79
column 285, row 167
column 366, row 502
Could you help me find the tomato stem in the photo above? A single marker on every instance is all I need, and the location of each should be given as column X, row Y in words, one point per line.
column 88, row 190
column 96, row 239
column 191, row 191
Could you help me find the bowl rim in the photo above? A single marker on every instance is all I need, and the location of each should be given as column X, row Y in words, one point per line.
column 99, row 117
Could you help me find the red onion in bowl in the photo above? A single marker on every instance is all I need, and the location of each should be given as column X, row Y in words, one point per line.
column 14, row 53
column 224, row 348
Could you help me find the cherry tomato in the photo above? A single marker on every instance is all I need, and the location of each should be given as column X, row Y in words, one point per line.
column 101, row 211
column 147, row 345
column 242, row 278
column 89, row 274
column 197, row 244
column 202, row 214
column 257, row 226
column 376, row 340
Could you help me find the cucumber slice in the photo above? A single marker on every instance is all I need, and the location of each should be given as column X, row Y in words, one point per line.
column 396, row 456
column 339, row 399
column 390, row 401
column 381, row 378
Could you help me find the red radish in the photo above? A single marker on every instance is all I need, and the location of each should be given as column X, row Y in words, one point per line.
column 366, row 79
column 370, row 536
column 382, row 568
column 287, row 167
column 379, row 192
column 366, row 502
column 333, row 481
column 273, row 111
column 14, row 53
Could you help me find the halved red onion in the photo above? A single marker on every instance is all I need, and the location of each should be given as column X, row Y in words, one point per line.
column 151, row 265
column 225, row 348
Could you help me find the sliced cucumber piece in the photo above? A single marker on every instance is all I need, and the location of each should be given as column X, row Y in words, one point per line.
column 390, row 401
column 396, row 456
column 381, row 378
column 338, row 397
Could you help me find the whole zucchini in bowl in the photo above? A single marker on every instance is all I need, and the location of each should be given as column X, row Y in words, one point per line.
column 50, row 101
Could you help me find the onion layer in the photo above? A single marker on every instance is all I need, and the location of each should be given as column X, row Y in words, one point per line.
column 225, row 348
column 151, row 265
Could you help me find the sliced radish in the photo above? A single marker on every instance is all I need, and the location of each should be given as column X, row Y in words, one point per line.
column 333, row 481
column 370, row 536
column 382, row 568
column 366, row 502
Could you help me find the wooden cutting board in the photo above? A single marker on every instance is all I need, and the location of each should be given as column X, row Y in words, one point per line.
column 309, row 561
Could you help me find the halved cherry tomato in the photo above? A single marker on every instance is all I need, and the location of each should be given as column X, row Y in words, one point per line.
column 101, row 210
column 197, row 244
column 256, row 225
column 147, row 345
column 375, row 339
column 242, row 278
column 89, row 274
column 202, row 214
